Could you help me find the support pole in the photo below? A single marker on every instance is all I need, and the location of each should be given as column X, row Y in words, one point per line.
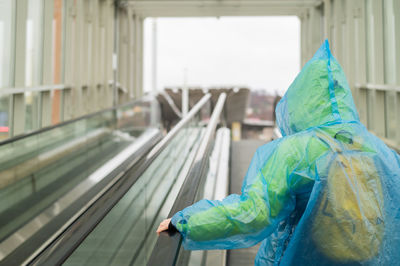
column 115, row 55
column 154, row 76
column 185, row 94
column 154, row 65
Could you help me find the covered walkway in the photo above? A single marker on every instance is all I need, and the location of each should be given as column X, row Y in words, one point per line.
column 90, row 164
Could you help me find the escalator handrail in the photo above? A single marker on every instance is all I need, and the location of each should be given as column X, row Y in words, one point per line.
column 48, row 128
column 62, row 247
column 166, row 249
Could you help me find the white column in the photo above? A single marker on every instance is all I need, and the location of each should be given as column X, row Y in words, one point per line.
column 131, row 54
column 95, row 64
column 360, row 71
column 375, row 56
column 116, row 36
column 396, row 9
column 138, row 69
column 79, row 54
column 327, row 18
column 349, row 48
column 17, row 119
column 123, row 51
column 303, row 38
column 109, row 28
column 154, row 63
column 154, row 112
column 69, row 58
column 185, row 94
column 47, row 77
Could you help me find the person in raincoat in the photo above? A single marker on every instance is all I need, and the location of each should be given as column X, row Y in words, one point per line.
column 326, row 193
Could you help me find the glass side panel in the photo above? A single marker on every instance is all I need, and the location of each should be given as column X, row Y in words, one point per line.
column 126, row 236
column 31, row 111
column 4, row 117
column 133, row 118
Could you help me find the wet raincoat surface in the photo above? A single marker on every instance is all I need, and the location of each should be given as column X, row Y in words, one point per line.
column 326, row 193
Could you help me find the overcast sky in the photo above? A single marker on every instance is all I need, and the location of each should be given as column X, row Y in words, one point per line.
column 257, row 52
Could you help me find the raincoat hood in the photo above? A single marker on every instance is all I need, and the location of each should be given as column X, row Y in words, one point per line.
column 320, row 95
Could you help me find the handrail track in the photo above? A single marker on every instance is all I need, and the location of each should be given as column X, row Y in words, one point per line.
column 62, row 247
column 166, row 250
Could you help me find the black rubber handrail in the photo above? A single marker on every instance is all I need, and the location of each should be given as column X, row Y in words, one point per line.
column 166, row 250
column 48, row 128
column 61, row 248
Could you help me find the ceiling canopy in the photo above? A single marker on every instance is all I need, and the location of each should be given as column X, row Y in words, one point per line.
column 199, row 8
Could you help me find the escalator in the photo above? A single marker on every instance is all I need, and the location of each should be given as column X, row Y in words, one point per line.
column 120, row 228
column 99, row 194
column 49, row 177
column 108, row 194
column 241, row 155
column 238, row 157
column 125, row 236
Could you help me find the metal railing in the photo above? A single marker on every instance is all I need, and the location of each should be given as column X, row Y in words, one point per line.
column 43, row 105
column 166, row 250
column 379, row 110
column 83, row 117
column 383, row 87
column 44, row 88
column 43, row 115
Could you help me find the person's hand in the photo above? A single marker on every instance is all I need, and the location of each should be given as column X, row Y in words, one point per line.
column 163, row 226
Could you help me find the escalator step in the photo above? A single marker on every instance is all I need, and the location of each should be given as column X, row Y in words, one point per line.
column 241, row 154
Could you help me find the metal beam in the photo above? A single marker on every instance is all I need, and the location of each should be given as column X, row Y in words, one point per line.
column 219, row 8
column 281, row 3
column 216, row 11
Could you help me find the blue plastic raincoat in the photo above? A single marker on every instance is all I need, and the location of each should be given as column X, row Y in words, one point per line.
column 327, row 193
